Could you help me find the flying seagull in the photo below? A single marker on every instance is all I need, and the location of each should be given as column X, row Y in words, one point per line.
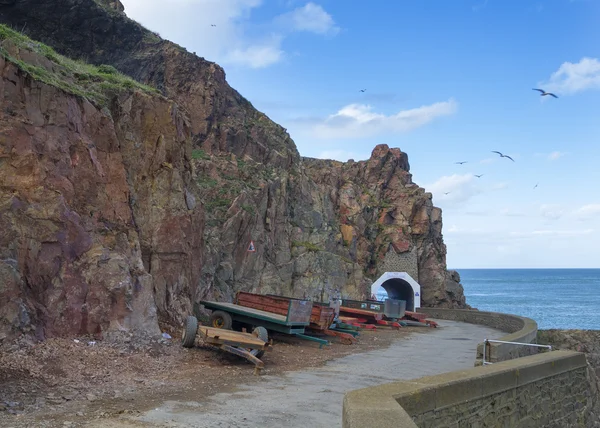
column 460, row 163
column 362, row 90
column 479, row 176
column 544, row 93
column 447, row 193
column 503, row 156
column 534, row 187
column 213, row 25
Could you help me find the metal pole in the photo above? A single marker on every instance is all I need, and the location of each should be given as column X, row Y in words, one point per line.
column 485, row 342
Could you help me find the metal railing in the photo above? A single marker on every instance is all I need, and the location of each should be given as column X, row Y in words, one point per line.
column 486, row 341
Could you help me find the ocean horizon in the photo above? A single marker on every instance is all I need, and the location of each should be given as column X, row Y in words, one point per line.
column 554, row 297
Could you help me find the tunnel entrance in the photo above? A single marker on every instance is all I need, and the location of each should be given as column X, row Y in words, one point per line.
column 398, row 286
column 398, row 289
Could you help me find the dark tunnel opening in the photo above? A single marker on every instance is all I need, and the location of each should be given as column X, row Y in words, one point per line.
column 399, row 289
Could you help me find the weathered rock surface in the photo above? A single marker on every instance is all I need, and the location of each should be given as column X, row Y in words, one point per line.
column 455, row 290
column 87, row 196
column 117, row 216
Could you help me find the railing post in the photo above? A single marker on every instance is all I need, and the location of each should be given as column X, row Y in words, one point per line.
column 485, row 342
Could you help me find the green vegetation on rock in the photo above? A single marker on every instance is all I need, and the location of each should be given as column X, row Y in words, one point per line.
column 199, row 154
column 95, row 84
column 217, row 203
column 308, row 245
column 248, row 209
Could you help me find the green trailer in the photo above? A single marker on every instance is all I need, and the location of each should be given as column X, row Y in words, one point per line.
column 297, row 316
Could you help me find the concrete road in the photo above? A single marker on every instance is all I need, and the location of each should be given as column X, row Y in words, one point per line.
column 313, row 397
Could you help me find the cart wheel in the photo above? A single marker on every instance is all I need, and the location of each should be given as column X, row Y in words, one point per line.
column 262, row 334
column 220, row 319
column 189, row 332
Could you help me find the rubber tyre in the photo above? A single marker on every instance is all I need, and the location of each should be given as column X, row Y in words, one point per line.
column 263, row 335
column 189, row 332
column 221, row 319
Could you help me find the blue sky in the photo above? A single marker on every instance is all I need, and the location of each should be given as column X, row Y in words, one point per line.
column 445, row 81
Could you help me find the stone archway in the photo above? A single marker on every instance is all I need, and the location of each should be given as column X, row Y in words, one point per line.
column 399, row 286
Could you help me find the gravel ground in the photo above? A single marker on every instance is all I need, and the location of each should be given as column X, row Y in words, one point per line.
column 301, row 386
column 46, row 384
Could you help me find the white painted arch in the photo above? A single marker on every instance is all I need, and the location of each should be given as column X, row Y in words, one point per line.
column 396, row 285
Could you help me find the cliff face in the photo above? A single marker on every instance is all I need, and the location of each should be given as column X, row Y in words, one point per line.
column 83, row 190
column 128, row 209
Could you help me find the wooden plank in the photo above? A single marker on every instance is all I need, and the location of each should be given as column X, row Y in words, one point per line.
column 219, row 336
column 321, row 317
column 264, row 307
column 295, row 310
column 349, row 319
column 264, row 303
column 364, row 313
column 415, row 315
column 346, row 338
column 245, row 354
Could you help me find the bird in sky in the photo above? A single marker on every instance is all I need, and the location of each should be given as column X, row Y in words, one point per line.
column 460, row 163
column 213, row 25
column 479, row 176
column 544, row 93
column 503, row 156
column 447, row 193
column 534, row 187
column 362, row 90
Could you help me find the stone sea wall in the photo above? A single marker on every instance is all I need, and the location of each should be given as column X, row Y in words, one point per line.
column 520, row 329
column 545, row 390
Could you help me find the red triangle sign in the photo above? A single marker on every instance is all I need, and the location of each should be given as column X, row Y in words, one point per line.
column 251, row 247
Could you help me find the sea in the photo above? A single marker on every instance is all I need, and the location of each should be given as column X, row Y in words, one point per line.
column 555, row 298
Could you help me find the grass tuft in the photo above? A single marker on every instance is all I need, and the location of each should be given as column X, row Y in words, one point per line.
column 95, row 83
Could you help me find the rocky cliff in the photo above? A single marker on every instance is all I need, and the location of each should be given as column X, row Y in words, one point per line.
column 121, row 206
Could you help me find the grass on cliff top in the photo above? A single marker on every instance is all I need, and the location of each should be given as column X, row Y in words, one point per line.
column 95, row 83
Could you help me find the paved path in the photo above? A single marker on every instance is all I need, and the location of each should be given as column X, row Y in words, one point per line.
column 313, row 397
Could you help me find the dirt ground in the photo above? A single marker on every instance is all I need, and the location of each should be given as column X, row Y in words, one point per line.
column 66, row 382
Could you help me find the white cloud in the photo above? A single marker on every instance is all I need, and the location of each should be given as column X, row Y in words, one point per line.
column 222, row 30
column 509, row 212
column 588, row 211
column 480, row 5
column 456, row 189
column 571, row 78
column 510, row 249
column 555, row 155
column 360, row 121
column 552, row 211
column 311, row 18
column 554, row 233
column 455, row 230
column 256, row 56
column 459, row 188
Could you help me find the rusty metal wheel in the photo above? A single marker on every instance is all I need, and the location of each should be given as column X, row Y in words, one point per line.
column 221, row 319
